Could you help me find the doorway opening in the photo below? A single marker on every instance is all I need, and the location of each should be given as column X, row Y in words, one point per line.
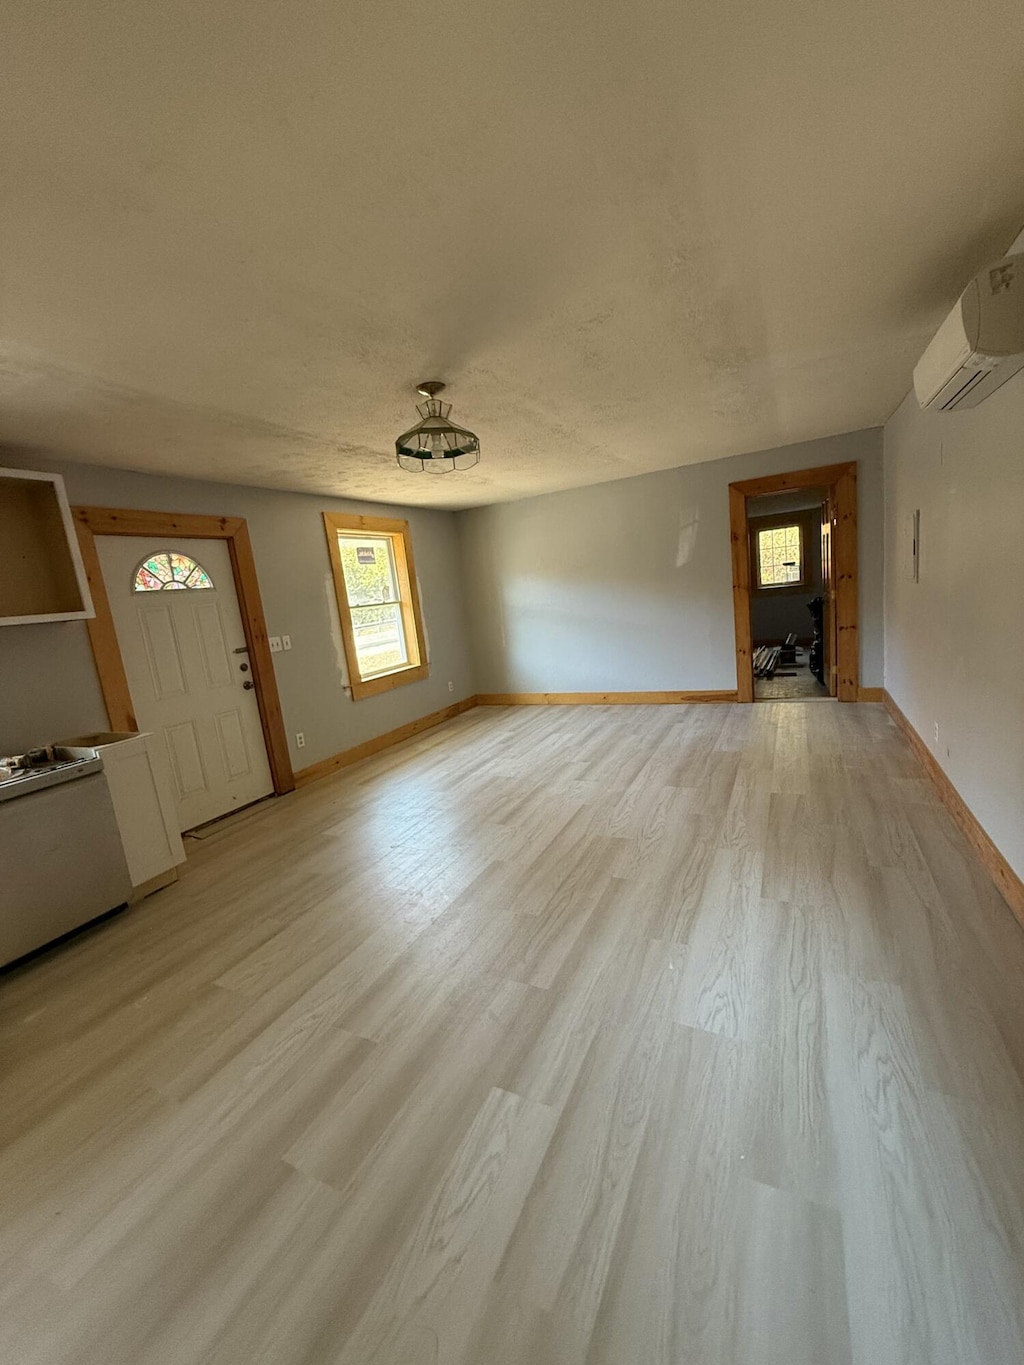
column 789, row 575
column 180, row 645
column 794, row 557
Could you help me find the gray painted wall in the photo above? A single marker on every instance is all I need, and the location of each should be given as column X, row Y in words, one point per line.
column 627, row 586
column 954, row 641
column 48, row 684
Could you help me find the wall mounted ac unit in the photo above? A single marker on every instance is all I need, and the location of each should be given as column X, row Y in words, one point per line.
column 980, row 345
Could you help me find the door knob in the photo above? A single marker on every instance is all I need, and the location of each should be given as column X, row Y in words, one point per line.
column 248, row 684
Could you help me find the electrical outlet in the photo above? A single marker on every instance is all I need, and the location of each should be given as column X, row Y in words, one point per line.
column 286, row 642
column 451, row 687
column 300, row 740
column 936, row 732
column 275, row 644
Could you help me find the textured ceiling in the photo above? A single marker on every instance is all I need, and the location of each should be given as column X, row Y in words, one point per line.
column 629, row 236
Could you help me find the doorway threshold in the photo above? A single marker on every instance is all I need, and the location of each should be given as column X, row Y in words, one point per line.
column 224, row 823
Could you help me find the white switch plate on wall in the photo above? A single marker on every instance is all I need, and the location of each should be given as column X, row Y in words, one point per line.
column 275, row 644
column 286, row 642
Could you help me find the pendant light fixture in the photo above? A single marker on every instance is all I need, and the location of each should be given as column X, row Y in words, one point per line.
column 435, row 444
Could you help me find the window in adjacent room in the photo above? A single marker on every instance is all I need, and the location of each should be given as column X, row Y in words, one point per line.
column 780, row 556
column 378, row 603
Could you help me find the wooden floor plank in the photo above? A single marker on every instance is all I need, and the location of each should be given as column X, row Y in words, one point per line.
column 555, row 1036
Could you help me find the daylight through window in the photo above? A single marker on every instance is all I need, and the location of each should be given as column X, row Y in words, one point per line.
column 779, row 556
column 374, row 603
column 169, row 570
column 377, row 601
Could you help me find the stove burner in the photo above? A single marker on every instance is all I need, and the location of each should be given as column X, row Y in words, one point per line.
column 22, row 773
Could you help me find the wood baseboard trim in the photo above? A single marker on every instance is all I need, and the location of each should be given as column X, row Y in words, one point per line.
column 871, row 694
column 347, row 757
column 603, row 698
column 1010, row 886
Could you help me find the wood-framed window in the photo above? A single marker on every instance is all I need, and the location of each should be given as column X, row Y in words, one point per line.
column 378, row 602
column 778, row 546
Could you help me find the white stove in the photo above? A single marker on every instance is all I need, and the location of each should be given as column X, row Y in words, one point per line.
column 28, row 773
column 62, row 863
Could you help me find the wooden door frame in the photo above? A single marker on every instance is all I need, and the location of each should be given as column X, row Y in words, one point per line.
column 106, row 648
column 841, row 480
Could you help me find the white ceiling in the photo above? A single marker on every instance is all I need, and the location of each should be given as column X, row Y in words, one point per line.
column 236, row 233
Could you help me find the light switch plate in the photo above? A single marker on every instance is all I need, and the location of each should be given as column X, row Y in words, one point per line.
column 286, row 642
column 275, row 644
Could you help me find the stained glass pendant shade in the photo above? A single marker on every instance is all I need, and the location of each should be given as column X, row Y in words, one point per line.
column 168, row 569
column 435, row 444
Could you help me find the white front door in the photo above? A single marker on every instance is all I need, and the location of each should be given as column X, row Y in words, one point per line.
column 184, row 654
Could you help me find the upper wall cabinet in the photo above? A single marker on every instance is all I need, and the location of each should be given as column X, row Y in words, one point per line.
column 41, row 573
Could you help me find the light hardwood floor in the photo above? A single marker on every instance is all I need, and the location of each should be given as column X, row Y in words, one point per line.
column 560, row 1036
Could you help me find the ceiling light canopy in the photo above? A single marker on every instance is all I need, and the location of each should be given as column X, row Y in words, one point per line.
column 434, row 443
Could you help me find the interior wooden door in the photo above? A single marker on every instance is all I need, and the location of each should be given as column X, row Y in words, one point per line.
column 829, row 641
column 188, row 670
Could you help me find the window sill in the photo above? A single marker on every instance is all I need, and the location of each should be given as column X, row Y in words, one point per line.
column 781, row 589
column 385, row 682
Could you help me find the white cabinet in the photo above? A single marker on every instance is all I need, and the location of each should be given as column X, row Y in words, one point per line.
column 42, row 577
column 135, row 766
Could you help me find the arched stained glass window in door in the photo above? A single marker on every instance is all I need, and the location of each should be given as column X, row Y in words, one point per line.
column 168, row 569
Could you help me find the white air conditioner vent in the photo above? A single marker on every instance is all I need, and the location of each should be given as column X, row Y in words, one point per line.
column 980, row 345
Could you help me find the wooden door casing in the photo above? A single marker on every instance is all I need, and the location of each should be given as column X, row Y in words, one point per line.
column 841, row 480
column 828, row 619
